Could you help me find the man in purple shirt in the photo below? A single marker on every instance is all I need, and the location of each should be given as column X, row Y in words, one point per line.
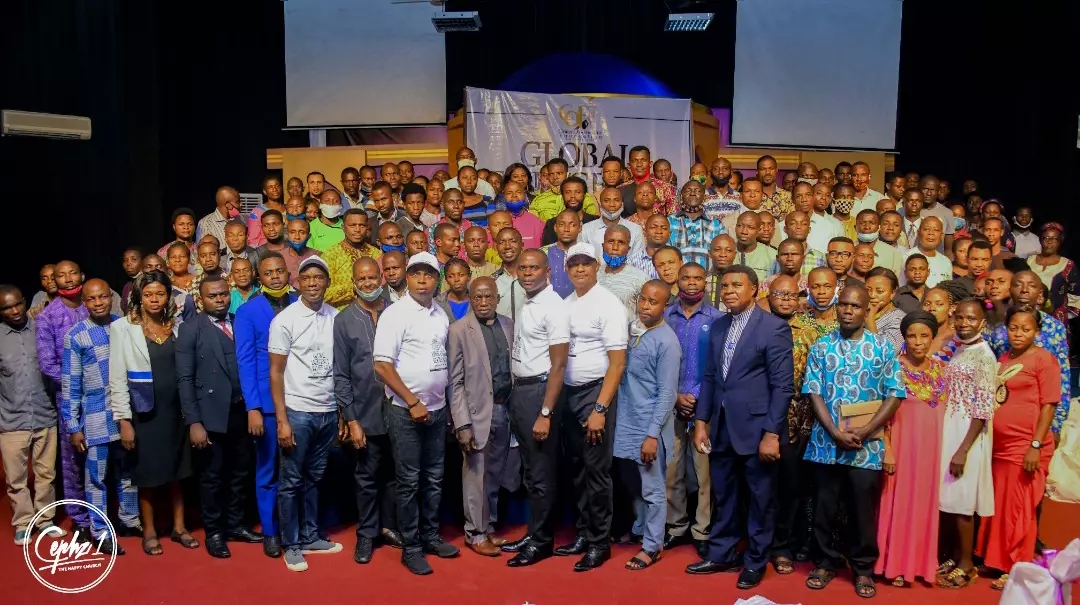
column 691, row 320
column 53, row 323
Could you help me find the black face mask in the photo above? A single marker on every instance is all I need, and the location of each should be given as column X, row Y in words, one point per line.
column 720, row 182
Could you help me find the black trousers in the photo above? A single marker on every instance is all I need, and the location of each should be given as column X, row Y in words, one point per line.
column 538, row 458
column 225, row 475
column 590, row 464
column 793, row 485
column 859, row 490
column 376, row 487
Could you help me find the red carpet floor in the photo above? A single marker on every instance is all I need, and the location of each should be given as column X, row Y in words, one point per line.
column 192, row 577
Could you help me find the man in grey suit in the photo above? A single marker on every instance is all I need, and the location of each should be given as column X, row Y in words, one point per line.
column 209, row 383
column 480, row 379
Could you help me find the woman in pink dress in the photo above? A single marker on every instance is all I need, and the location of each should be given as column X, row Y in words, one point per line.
column 907, row 534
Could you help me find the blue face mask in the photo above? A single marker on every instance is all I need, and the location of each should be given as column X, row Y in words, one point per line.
column 959, row 223
column 515, row 208
column 297, row 246
column 868, row 238
column 815, row 306
column 614, row 261
column 295, row 217
column 388, row 248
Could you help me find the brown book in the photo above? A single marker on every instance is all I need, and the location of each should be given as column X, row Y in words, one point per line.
column 858, row 415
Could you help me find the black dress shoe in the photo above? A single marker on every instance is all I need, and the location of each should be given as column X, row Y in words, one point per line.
column 245, row 534
column 749, row 579
column 134, row 531
column 577, row 547
column 271, row 547
column 393, row 539
column 515, row 546
column 594, row 557
column 83, row 534
column 671, row 541
column 362, row 553
column 706, row 566
column 217, row 547
column 529, row 555
column 702, row 548
column 109, row 546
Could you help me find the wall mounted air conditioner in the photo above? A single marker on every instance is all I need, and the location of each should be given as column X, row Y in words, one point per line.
column 48, row 125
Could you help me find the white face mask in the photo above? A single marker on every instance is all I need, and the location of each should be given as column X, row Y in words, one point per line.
column 611, row 216
column 463, row 162
column 330, row 211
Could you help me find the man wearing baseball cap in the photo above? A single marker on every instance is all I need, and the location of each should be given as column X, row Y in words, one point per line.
column 301, row 347
column 411, row 360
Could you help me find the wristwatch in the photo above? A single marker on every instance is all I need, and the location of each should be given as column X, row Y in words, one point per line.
column 1035, row 443
column 545, row 412
column 600, row 409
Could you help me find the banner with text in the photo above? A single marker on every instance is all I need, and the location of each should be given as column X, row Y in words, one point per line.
column 504, row 127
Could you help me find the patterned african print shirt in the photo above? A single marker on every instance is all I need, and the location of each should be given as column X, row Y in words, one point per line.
column 778, row 204
column 693, row 236
column 340, row 258
column 84, row 386
column 1054, row 338
column 844, row 371
column 928, row 385
column 721, row 204
column 800, row 412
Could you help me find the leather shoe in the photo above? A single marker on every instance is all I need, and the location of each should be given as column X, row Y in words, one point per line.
column 245, row 534
column 529, row 555
column 216, row 546
column 362, row 553
column 515, row 546
column 702, row 548
column 271, row 547
column 499, row 542
column 109, row 546
column 577, row 547
column 707, row 567
column 83, row 534
column 671, row 541
column 749, row 579
column 392, row 539
column 485, row 548
column 594, row 557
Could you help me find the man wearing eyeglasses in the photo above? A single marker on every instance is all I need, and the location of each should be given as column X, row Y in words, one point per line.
column 840, row 256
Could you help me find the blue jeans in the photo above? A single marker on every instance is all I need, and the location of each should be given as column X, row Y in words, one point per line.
column 419, row 459
column 300, row 470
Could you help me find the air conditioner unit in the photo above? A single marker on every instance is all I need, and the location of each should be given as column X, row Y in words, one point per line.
column 468, row 21
column 48, row 125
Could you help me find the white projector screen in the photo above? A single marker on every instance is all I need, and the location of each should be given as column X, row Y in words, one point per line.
column 816, row 73
column 363, row 63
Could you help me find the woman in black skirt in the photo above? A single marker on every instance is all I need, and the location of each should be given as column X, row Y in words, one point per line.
column 142, row 379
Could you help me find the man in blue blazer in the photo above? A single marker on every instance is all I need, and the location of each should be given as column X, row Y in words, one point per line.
column 252, row 331
column 746, row 389
column 209, row 384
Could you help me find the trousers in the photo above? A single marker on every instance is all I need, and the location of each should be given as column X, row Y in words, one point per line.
column 20, row 449
column 419, row 462
column 859, row 490
column 481, row 477
column 266, row 476
column 678, row 519
column 591, row 464
column 539, row 459
column 225, row 465
column 376, row 487
column 98, row 459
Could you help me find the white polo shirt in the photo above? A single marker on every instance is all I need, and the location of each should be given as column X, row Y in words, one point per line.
column 413, row 339
column 544, row 321
column 940, row 268
column 307, row 338
column 598, row 324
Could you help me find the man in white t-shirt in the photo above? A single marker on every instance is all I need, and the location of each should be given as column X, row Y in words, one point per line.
column 597, row 359
column 301, row 347
column 411, row 360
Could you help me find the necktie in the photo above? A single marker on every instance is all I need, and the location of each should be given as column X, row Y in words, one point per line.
column 729, row 348
column 224, row 325
column 913, row 233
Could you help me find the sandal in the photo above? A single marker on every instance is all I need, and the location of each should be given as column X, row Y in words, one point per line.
column 958, row 578
column 946, row 567
column 154, row 549
column 864, row 587
column 783, row 565
column 637, row 563
column 820, row 578
column 899, row 582
column 999, row 584
column 185, row 539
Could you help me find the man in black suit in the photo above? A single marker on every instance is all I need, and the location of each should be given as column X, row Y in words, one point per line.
column 209, row 384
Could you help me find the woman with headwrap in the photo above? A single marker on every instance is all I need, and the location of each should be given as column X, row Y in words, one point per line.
column 1059, row 274
column 907, row 535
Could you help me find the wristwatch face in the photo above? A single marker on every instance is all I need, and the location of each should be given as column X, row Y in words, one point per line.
column 1036, row 444
column 599, row 409
column 546, row 413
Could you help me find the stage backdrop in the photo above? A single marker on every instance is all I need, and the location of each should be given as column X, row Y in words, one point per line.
column 504, row 127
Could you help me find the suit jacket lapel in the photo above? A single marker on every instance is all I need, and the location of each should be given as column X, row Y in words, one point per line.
column 216, row 335
column 478, row 343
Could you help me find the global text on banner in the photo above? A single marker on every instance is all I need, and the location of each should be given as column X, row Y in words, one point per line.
column 504, row 127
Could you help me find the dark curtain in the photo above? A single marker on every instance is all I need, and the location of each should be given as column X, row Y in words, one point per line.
column 183, row 99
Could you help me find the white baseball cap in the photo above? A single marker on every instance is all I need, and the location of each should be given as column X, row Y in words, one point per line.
column 423, row 258
column 580, row 249
column 316, row 261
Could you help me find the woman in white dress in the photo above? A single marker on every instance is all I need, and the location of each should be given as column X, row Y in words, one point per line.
column 966, row 484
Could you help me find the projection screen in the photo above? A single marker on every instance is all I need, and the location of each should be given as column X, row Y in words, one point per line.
column 816, row 73
column 363, row 63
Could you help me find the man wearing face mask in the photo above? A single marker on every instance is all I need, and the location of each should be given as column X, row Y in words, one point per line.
column 843, row 201
column 807, row 172
column 1027, row 243
column 611, row 213
column 360, row 396
column 296, row 239
column 692, row 230
column 228, row 207
column 466, row 157
column 528, row 224
column 326, row 231
column 342, row 257
column 721, row 200
column 620, row 277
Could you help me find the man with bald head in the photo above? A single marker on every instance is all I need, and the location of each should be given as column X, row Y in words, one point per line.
column 807, row 173
column 227, row 202
column 28, row 433
column 721, row 199
column 466, row 157
column 480, row 346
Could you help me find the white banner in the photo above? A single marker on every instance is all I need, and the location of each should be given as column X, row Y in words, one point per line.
column 505, row 127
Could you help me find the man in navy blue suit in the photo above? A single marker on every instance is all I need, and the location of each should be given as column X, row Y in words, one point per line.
column 746, row 388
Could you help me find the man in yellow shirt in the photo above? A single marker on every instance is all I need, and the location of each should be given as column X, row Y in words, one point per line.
column 548, row 204
column 341, row 256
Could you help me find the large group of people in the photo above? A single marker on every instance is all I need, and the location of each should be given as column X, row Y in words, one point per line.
column 842, row 376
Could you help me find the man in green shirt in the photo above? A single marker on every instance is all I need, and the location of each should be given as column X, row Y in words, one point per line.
column 548, row 204
column 326, row 230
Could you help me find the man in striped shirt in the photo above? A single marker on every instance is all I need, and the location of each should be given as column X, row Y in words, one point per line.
column 691, row 231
